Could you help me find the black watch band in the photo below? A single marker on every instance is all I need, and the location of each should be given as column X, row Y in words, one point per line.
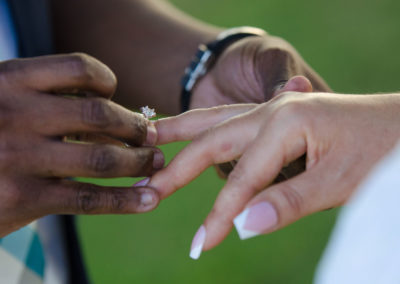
column 206, row 57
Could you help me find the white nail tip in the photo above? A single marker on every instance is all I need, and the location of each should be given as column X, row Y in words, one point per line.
column 196, row 252
column 240, row 222
column 198, row 242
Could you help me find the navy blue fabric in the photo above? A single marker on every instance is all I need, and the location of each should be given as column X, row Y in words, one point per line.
column 33, row 26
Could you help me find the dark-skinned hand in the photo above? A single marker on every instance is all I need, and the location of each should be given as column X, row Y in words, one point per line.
column 42, row 101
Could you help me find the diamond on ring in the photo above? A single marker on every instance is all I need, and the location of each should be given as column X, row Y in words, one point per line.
column 148, row 112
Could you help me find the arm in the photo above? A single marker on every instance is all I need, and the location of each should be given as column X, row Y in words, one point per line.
column 147, row 43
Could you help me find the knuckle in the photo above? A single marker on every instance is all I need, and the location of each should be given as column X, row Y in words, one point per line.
column 102, row 159
column 87, row 70
column 239, row 177
column 236, row 176
column 88, row 199
column 291, row 108
column 96, row 112
column 139, row 126
column 142, row 162
column 206, row 135
column 117, row 201
column 293, row 200
column 80, row 65
column 203, row 136
column 200, row 146
column 209, row 135
column 10, row 69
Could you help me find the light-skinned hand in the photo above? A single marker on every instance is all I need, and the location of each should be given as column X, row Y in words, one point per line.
column 343, row 137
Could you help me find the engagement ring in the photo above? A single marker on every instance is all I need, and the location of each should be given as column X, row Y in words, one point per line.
column 148, row 112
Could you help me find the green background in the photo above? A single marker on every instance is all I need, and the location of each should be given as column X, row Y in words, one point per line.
column 354, row 45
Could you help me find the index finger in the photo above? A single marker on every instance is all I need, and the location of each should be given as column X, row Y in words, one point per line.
column 256, row 170
column 219, row 144
column 62, row 73
column 190, row 124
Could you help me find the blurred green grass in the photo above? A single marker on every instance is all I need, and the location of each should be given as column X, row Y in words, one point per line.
column 353, row 45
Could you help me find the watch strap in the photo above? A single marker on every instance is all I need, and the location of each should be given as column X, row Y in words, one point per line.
column 206, row 56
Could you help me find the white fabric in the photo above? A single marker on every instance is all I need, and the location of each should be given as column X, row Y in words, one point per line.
column 365, row 245
column 10, row 263
column 21, row 257
column 49, row 228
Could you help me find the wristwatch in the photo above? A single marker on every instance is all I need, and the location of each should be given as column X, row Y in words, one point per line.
column 207, row 55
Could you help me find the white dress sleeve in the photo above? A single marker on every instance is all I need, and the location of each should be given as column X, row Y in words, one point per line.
column 365, row 244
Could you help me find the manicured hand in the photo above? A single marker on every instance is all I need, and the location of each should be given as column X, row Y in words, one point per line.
column 343, row 137
column 45, row 99
column 253, row 70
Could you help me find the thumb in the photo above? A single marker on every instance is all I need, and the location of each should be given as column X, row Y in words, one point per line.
column 295, row 84
column 283, row 204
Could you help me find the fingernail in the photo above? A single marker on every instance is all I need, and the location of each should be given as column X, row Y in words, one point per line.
column 147, row 198
column 158, row 160
column 299, row 84
column 198, row 242
column 151, row 138
column 142, row 182
column 292, row 84
column 255, row 220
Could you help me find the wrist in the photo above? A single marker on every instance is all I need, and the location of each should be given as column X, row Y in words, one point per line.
column 207, row 55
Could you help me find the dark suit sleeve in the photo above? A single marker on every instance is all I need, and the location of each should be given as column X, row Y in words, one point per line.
column 77, row 270
column 33, row 27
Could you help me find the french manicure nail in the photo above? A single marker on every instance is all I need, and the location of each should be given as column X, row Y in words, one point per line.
column 198, row 242
column 142, row 182
column 158, row 160
column 151, row 138
column 255, row 220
